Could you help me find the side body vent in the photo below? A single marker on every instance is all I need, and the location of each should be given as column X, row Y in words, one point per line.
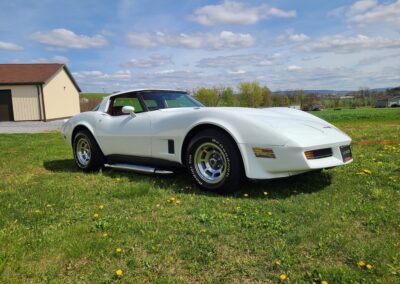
column 171, row 146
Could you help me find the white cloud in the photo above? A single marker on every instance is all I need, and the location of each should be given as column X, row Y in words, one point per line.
column 10, row 46
column 144, row 40
column 343, row 44
column 239, row 60
column 373, row 60
column 291, row 36
column 89, row 76
column 231, row 12
column 67, row 39
column 53, row 59
column 364, row 12
column 294, row 68
column 152, row 61
column 167, row 71
column 370, row 12
column 361, row 6
column 237, row 72
column 225, row 39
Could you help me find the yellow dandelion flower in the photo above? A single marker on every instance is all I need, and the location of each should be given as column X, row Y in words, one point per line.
column 49, row 205
column 172, row 198
column 365, row 171
column 104, row 235
column 119, row 273
column 283, row 277
column 178, row 202
column 324, row 282
column 265, row 193
column 101, row 206
column 119, row 250
column 95, row 215
column 245, row 195
column 269, row 213
column 37, row 211
column 277, row 262
column 369, row 266
column 361, row 263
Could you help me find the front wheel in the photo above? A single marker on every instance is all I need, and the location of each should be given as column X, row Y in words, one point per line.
column 214, row 161
column 87, row 153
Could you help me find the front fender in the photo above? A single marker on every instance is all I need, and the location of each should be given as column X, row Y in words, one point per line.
column 80, row 121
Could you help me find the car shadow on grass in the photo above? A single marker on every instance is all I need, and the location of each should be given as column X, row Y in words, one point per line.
column 66, row 165
column 181, row 183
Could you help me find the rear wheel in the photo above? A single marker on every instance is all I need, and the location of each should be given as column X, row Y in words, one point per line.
column 214, row 161
column 87, row 153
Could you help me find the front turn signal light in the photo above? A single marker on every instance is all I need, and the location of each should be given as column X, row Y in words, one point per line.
column 309, row 155
column 264, row 153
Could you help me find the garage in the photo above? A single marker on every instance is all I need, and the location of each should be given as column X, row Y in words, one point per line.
column 6, row 110
column 40, row 92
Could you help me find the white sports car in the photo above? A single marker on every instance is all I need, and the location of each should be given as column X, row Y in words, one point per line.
column 161, row 131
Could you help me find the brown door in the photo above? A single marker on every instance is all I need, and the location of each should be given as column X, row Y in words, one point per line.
column 6, row 110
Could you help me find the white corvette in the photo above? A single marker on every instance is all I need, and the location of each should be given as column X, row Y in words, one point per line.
column 160, row 131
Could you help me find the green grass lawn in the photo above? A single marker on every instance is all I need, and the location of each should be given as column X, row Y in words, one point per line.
column 93, row 95
column 60, row 225
column 359, row 114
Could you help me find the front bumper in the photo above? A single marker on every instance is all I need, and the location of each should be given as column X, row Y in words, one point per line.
column 289, row 160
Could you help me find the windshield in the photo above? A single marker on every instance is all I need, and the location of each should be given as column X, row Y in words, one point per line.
column 165, row 99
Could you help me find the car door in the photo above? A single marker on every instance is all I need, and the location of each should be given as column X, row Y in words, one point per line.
column 122, row 134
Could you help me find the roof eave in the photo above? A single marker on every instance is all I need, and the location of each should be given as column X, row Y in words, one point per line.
column 72, row 78
column 20, row 83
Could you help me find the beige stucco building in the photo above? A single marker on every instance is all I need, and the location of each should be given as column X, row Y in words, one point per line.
column 37, row 92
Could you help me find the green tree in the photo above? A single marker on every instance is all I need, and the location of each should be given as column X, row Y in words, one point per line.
column 281, row 100
column 207, row 96
column 227, row 98
column 250, row 94
column 267, row 97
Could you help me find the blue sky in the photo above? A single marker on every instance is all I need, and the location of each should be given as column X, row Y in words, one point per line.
column 286, row 44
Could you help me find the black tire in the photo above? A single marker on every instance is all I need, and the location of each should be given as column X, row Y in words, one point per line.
column 96, row 160
column 227, row 154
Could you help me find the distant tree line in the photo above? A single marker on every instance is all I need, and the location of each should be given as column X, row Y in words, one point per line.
column 252, row 94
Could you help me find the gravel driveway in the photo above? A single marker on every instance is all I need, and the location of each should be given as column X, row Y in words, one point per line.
column 30, row 126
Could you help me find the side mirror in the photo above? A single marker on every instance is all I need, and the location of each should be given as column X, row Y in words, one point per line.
column 129, row 110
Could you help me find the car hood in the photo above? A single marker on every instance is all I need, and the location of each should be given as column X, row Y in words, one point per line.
column 301, row 128
column 272, row 126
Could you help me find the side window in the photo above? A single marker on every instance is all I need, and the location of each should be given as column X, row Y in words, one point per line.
column 151, row 104
column 119, row 102
column 178, row 101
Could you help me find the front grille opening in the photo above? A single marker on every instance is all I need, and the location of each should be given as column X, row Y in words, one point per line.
column 319, row 154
